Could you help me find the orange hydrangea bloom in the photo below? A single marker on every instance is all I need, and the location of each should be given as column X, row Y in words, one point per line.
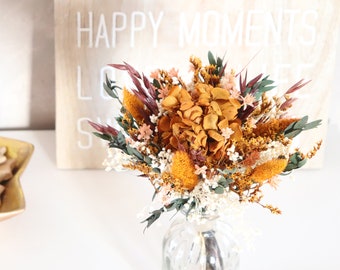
column 196, row 118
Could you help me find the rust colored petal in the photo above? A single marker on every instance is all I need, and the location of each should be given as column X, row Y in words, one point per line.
column 220, row 93
column 188, row 122
column 173, row 142
column 229, row 111
column 193, row 113
column 164, row 124
column 216, row 108
column 237, row 135
column 235, row 103
column 170, row 102
column 189, row 136
column 215, row 135
column 185, row 105
column 204, row 99
column 214, row 147
column 177, row 128
column 223, row 124
column 210, row 121
column 203, row 88
column 185, row 100
column 175, row 91
column 201, row 140
column 251, row 159
column 197, row 128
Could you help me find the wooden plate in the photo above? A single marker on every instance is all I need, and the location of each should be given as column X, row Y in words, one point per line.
column 12, row 199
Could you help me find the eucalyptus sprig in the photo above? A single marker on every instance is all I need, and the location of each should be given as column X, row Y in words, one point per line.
column 297, row 127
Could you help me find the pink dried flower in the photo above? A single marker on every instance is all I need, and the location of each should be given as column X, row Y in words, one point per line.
column 163, row 92
column 144, row 132
column 154, row 74
column 234, row 93
column 173, row 72
column 248, row 100
column 200, row 170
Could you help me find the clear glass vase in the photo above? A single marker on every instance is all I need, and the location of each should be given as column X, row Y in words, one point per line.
column 207, row 243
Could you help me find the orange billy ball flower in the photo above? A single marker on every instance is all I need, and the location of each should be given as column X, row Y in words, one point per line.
column 133, row 105
column 268, row 169
column 183, row 171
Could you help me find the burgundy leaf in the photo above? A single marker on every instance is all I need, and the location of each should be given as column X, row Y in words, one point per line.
column 104, row 129
column 149, row 86
column 297, row 86
column 255, row 80
column 132, row 71
column 118, row 66
column 243, row 84
column 287, row 104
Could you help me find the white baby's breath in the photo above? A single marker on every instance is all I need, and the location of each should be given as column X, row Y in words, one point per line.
column 233, row 155
column 275, row 149
column 116, row 159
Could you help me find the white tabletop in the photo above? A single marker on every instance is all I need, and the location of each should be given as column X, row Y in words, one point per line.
column 87, row 219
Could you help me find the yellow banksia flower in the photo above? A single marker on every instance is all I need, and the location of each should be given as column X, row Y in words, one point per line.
column 273, row 126
column 268, row 169
column 183, row 171
column 133, row 105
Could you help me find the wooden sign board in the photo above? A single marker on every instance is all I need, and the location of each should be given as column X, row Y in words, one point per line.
column 288, row 39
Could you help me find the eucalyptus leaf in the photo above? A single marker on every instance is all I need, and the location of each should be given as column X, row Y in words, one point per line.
column 267, row 88
column 176, row 204
column 227, row 171
column 313, row 124
column 229, row 181
column 301, row 123
column 293, row 133
column 121, row 139
column 105, row 137
column 109, row 91
column 211, row 58
column 147, row 160
column 110, row 88
column 222, row 182
column 219, row 62
column 219, row 190
column 247, row 91
column 154, row 194
column 191, row 206
column 153, row 217
column 156, row 170
column 134, row 152
column 156, row 83
column 295, row 162
column 297, row 127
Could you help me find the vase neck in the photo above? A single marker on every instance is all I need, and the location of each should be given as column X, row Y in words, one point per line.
column 203, row 223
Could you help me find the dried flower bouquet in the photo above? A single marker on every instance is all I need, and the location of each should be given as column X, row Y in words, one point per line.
column 199, row 142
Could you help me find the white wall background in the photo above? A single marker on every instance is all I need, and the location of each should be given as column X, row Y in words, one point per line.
column 27, row 99
column 27, row 96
